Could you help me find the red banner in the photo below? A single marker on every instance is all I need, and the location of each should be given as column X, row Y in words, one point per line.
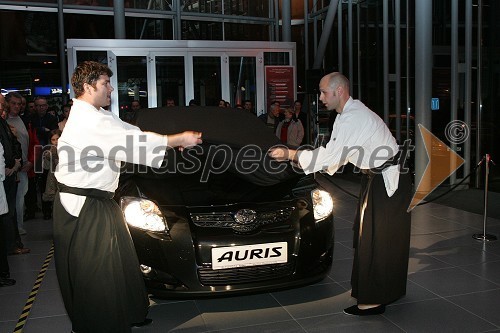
column 280, row 86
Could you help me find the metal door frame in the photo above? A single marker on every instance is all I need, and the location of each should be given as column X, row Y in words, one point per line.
column 188, row 49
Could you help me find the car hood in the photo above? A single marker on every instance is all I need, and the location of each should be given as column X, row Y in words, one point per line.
column 232, row 164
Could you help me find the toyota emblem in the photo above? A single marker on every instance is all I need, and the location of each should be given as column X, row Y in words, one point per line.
column 245, row 216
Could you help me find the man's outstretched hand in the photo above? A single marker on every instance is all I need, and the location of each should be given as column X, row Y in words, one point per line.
column 185, row 139
column 282, row 154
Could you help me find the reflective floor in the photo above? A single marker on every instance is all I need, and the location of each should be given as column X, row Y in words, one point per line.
column 453, row 286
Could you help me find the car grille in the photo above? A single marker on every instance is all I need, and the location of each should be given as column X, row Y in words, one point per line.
column 243, row 275
column 228, row 220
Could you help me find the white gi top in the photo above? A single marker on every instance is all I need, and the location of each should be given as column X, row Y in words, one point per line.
column 358, row 136
column 93, row 146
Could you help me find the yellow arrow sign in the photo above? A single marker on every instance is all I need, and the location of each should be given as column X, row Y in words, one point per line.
column 443, row 161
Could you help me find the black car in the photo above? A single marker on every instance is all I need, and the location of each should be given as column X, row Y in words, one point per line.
column 222, row 217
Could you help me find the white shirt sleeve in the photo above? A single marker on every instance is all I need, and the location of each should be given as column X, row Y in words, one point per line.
column 344, row 145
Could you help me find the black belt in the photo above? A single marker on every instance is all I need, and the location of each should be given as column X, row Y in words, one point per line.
column 87, row 192
column 395, row 160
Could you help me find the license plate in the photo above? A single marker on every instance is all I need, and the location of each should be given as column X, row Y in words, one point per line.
column 249, row 255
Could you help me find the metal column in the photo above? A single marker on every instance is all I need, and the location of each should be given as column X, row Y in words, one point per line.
column 479, row 100
column 397, row 55
column 306, row 35
column 468, row 81
column 325, row 35
column 119, row 19
column 62, row 53
column 385, row 52
column 286, row 21
column 340, row 48
column 423, row 81
column 454, row 75
column 350, row 45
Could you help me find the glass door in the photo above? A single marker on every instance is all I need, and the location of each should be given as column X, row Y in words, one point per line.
column 170, row 80
column 242, row 80
column 132, row 84
column 207, row 82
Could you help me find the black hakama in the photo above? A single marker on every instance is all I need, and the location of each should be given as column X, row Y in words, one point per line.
column 97, row 266
column 381, row 253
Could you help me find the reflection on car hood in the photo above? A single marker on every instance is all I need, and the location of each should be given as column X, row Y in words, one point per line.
column 220, row 190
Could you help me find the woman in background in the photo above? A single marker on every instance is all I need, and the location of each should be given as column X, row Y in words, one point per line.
column 50, row 160
column 290, row 130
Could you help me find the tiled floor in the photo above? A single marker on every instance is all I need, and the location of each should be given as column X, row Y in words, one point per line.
column 453, row 286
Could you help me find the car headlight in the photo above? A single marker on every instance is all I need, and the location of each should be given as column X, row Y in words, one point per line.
column 143, row 214
column 322, row 204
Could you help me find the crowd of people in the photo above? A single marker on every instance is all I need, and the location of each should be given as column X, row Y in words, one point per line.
column 28, row 128
column 288, row 123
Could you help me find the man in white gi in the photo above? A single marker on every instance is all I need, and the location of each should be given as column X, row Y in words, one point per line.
column 96, row 263
column 382, row 225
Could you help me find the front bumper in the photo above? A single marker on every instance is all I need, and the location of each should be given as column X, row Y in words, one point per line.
column 179, row 263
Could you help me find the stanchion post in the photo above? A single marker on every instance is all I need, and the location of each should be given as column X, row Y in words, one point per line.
column 484, row 236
